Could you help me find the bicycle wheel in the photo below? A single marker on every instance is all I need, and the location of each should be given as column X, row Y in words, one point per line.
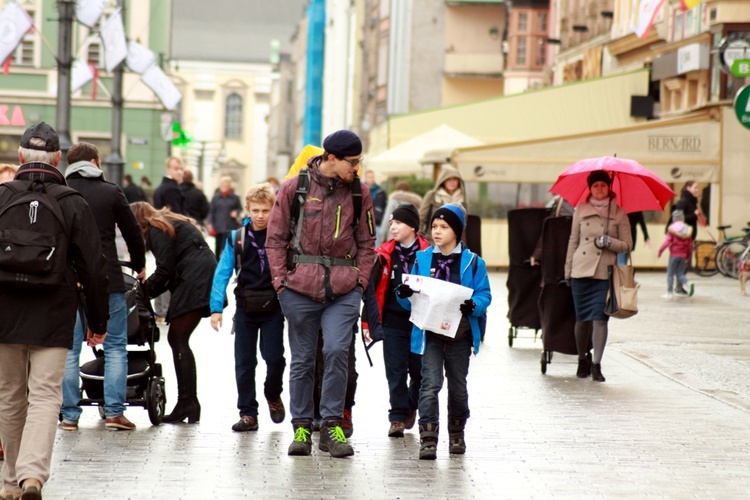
column 704, row 259
column 728, row 261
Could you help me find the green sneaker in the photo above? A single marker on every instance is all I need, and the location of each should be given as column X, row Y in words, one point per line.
column 302, row 444
column 333, row 440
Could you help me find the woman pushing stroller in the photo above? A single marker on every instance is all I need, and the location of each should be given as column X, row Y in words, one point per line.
column 185, row 266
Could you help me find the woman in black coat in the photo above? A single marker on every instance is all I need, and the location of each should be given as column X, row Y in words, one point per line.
column 184, row 266
column 688, row 203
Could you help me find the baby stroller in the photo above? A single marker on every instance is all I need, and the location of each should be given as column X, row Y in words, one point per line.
column 145, row 386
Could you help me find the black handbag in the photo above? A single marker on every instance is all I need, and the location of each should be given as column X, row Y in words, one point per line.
column 258, row 301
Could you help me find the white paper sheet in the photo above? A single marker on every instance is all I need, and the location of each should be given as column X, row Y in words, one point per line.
column 435, row 305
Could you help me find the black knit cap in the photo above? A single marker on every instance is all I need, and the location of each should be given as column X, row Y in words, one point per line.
column 598, row 175
column 454, row 215
column 408, row 214
column 44, row 132
column 343, row 143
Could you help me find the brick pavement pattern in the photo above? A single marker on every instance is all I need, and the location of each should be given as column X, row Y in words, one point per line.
column 671, row 422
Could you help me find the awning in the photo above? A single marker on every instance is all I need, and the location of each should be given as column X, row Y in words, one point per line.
column 406, row 158
column 676, row 150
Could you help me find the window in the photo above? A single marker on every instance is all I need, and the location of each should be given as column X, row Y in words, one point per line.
column 543, row 21
column 521, row 51
column 95, row 54
column 523, row 21
column 26, row 50
column 678, row 19
column 541, row 52
column 233, row 117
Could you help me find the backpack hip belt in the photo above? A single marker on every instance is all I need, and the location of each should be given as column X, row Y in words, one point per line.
column 321, row 259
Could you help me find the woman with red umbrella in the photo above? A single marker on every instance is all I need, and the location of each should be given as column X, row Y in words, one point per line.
column 600, row 231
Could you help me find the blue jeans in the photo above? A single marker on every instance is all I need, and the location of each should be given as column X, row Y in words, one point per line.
column 454, row 358
column 246, row 330
column 306, row 318
column 676, row 269
column 115, row 364
column 401, row 364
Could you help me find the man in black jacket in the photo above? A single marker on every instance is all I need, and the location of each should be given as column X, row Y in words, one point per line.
column 111, row 211
column 133, row 192
column 196, row 203
column 168, row 194
column 36, row 330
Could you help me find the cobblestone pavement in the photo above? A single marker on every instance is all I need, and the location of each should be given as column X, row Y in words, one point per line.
column 672, row 421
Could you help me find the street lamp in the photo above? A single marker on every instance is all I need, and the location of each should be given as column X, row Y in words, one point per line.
column 66, row 9
column 113, row 164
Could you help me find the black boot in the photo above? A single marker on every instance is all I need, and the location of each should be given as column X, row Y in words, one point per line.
column 596, row 372
column 187, row 399
column 456, row 432
column 428, row 438
column 584, row 367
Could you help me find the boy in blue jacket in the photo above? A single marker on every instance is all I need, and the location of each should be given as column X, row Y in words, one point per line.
column 257, row 310
column 448, row 260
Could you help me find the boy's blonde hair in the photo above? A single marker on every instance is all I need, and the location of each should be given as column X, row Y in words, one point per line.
column 260, row 193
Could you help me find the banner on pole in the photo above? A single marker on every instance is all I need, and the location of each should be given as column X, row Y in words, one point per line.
column 88, row 12
column 81, row 74
column 162, row 86
column 115, row 44
column 14, row 23
column 139, row 57
column 644, row 14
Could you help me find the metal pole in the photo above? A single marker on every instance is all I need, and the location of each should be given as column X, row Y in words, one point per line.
column 113, row 164
column 66, row 9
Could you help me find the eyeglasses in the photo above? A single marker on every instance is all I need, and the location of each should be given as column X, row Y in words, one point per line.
column 355, row 162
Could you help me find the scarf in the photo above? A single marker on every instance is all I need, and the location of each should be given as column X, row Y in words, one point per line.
column 407, row 258
column 444, row 197
column 444, row 263
column 261, row 251
column 601, row 206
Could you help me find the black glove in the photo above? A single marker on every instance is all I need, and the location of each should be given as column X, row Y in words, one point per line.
column 404, row 291
column 467, row 307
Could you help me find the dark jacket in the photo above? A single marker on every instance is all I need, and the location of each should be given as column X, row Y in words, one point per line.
column 134, row 193
column 168, row 194
column 379, row 201
column 111, row 209
column 184, row 266
column 195, row 202
column 688, row 204
column 327, row 230
column 636, row 219
column 48, row 318
column 220, row 214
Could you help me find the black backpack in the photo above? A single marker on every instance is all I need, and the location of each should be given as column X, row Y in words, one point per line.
column 33, row 236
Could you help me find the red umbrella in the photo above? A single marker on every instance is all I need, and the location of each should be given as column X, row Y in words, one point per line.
column 637, row 187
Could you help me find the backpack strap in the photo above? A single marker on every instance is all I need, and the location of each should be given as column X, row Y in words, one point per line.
column 356, row 187
column 298, row 204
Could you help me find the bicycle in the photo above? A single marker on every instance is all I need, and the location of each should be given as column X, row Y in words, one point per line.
column 720, row 256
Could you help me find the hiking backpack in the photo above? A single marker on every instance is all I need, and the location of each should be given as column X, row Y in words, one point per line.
column 33, row 236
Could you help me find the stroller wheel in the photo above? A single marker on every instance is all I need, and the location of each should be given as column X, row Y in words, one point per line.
column 101, row 412
column 511, row 334
column 156, row 400
column 544, row 362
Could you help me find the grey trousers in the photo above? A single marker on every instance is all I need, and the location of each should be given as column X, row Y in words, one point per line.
column 306, row 317
column 28, row 421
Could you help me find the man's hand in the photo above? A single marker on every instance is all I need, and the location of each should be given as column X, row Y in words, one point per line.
column 467, row 307
column 366, row 335
column 404, row 291
column 94, row 339
column 141, row 276
column 216, row 319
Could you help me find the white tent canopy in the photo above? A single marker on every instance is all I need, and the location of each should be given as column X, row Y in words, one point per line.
column 407, row 158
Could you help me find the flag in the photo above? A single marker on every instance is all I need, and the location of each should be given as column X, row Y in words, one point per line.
column 688, row 4
column 179, row 137
column 88, row 12
column 139, row 57
column 6, row 65
column 644, row 13
column 95, row 83
column 80, row 74
column 162, row 86
column 115, row 45
column 14, row 23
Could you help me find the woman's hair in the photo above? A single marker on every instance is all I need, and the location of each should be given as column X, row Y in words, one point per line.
column 161, row 219
column 689, row 184
column 8, row 166
column 260, row 193
column 403, row 186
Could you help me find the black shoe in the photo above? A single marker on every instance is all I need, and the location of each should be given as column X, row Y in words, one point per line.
column 584, row 368
column 277, row 411
column 411, row 419
column 333, row 440
column 596, row 372
column 185, row 409
column 457, row 444
column 245, row 424
column 428, row 438
column 302, row 444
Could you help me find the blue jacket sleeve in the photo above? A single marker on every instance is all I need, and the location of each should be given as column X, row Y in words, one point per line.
column 222, row 275
column 482, row 295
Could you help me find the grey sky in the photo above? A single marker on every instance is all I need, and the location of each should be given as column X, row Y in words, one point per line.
column 232, row 30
